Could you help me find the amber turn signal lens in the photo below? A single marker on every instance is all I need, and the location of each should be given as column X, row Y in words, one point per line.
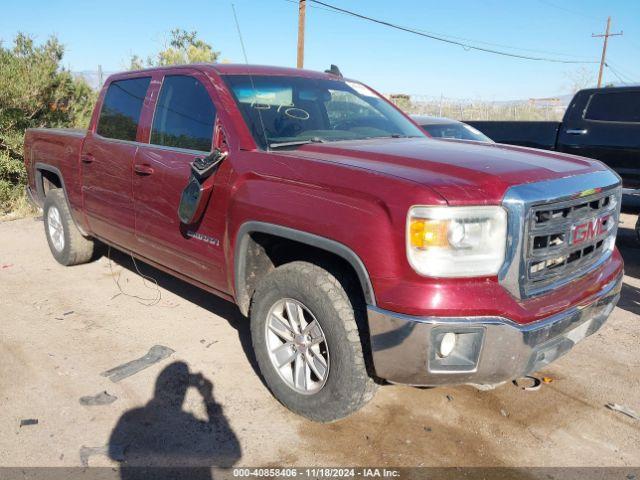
column 426, row 233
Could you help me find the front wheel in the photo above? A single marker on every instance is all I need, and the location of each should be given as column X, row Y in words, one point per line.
column 307, row 344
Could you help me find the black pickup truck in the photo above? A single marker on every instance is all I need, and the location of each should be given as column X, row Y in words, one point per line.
column 601, row 123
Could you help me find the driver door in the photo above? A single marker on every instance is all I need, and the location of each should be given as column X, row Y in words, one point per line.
column 182, row 129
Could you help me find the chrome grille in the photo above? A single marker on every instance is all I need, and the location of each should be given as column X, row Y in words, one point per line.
column 564, row 239
column 541, row 218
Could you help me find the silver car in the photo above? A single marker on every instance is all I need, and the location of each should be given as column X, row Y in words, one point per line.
column 439, row 127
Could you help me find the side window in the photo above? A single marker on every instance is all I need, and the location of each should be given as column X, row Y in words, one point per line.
column 184, row 115
column 121, row 108
column 614, row 107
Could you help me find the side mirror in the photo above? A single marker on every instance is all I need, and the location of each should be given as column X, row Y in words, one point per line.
column 196, row 193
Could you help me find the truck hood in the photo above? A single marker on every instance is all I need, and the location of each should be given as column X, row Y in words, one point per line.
column 460, row 171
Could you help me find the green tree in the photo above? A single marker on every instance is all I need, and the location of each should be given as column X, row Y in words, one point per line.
column 182, row 48
column 35, row 91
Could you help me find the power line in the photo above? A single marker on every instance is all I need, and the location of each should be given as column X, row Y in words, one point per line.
column 439, row 38
column 623, row 77
column 627, row 73
column 616, row 74
column 552, row 52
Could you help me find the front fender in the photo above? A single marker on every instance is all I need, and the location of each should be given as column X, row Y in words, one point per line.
column 361, row 218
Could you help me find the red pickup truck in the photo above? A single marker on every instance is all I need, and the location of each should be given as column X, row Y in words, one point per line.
column 360, row 249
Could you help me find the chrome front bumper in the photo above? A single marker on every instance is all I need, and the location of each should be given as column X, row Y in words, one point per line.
column 489, row 350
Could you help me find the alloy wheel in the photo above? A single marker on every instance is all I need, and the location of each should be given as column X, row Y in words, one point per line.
column 56, row 230
column 297, row 346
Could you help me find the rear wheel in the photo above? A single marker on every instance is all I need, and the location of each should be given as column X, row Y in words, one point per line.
column 307, row 344
column 68, row 246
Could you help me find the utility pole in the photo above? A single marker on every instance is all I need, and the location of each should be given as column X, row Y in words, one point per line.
column 301, row 15
column 606, row 36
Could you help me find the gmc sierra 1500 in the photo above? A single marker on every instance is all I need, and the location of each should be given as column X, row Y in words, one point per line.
column 359, row 248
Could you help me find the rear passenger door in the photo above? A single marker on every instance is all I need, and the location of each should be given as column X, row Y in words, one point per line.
column 182, row 129
column 608, row 129
column 106, row 161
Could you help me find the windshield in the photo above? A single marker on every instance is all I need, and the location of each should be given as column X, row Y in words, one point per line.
column 289, row 111
column 460, row 131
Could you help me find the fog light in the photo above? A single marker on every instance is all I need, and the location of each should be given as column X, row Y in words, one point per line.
column 447, row 344
column 455, row 351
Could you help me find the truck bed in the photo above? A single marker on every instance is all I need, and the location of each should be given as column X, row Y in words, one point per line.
column 59, row 149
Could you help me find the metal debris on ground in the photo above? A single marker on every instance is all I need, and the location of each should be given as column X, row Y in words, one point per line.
column 504, row 413
column 154, row 355
column 102, row 398
column 622, row 409
column 67, row 313
column 450, row 398
column 25, row 422
column 528, row 383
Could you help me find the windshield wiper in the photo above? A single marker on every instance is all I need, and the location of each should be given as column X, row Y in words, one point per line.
column 296, row 143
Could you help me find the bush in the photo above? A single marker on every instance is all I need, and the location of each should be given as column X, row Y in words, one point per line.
column 35, row 91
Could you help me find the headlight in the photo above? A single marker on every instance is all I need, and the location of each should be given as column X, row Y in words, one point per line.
column 456, row 241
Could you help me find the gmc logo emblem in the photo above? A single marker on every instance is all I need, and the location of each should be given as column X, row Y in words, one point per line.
column 587, row 231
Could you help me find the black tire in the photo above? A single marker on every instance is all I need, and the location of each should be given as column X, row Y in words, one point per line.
column 638, row 229
column 75, row 248
column 348, row 386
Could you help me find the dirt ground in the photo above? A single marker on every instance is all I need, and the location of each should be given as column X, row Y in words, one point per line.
column 60, row 328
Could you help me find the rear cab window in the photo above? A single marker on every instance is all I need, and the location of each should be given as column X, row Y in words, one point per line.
column 120, row 113
column 614, row 107
column 184, row 116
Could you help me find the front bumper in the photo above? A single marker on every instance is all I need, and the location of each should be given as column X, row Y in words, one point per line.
column 489, row 350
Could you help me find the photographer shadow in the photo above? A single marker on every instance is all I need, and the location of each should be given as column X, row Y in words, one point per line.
column 162, row 441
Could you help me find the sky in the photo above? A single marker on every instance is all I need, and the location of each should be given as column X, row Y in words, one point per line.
column 391, row 61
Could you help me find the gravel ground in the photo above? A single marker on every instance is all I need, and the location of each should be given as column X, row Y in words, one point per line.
column 62, row 327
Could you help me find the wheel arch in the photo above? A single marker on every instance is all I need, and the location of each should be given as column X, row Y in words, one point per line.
column 44, row 171
column 50, row 173
column 246, row 257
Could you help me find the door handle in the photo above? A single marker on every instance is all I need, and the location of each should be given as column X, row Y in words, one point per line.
column 576, row 131
column 87, row 158
column 142, row 169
